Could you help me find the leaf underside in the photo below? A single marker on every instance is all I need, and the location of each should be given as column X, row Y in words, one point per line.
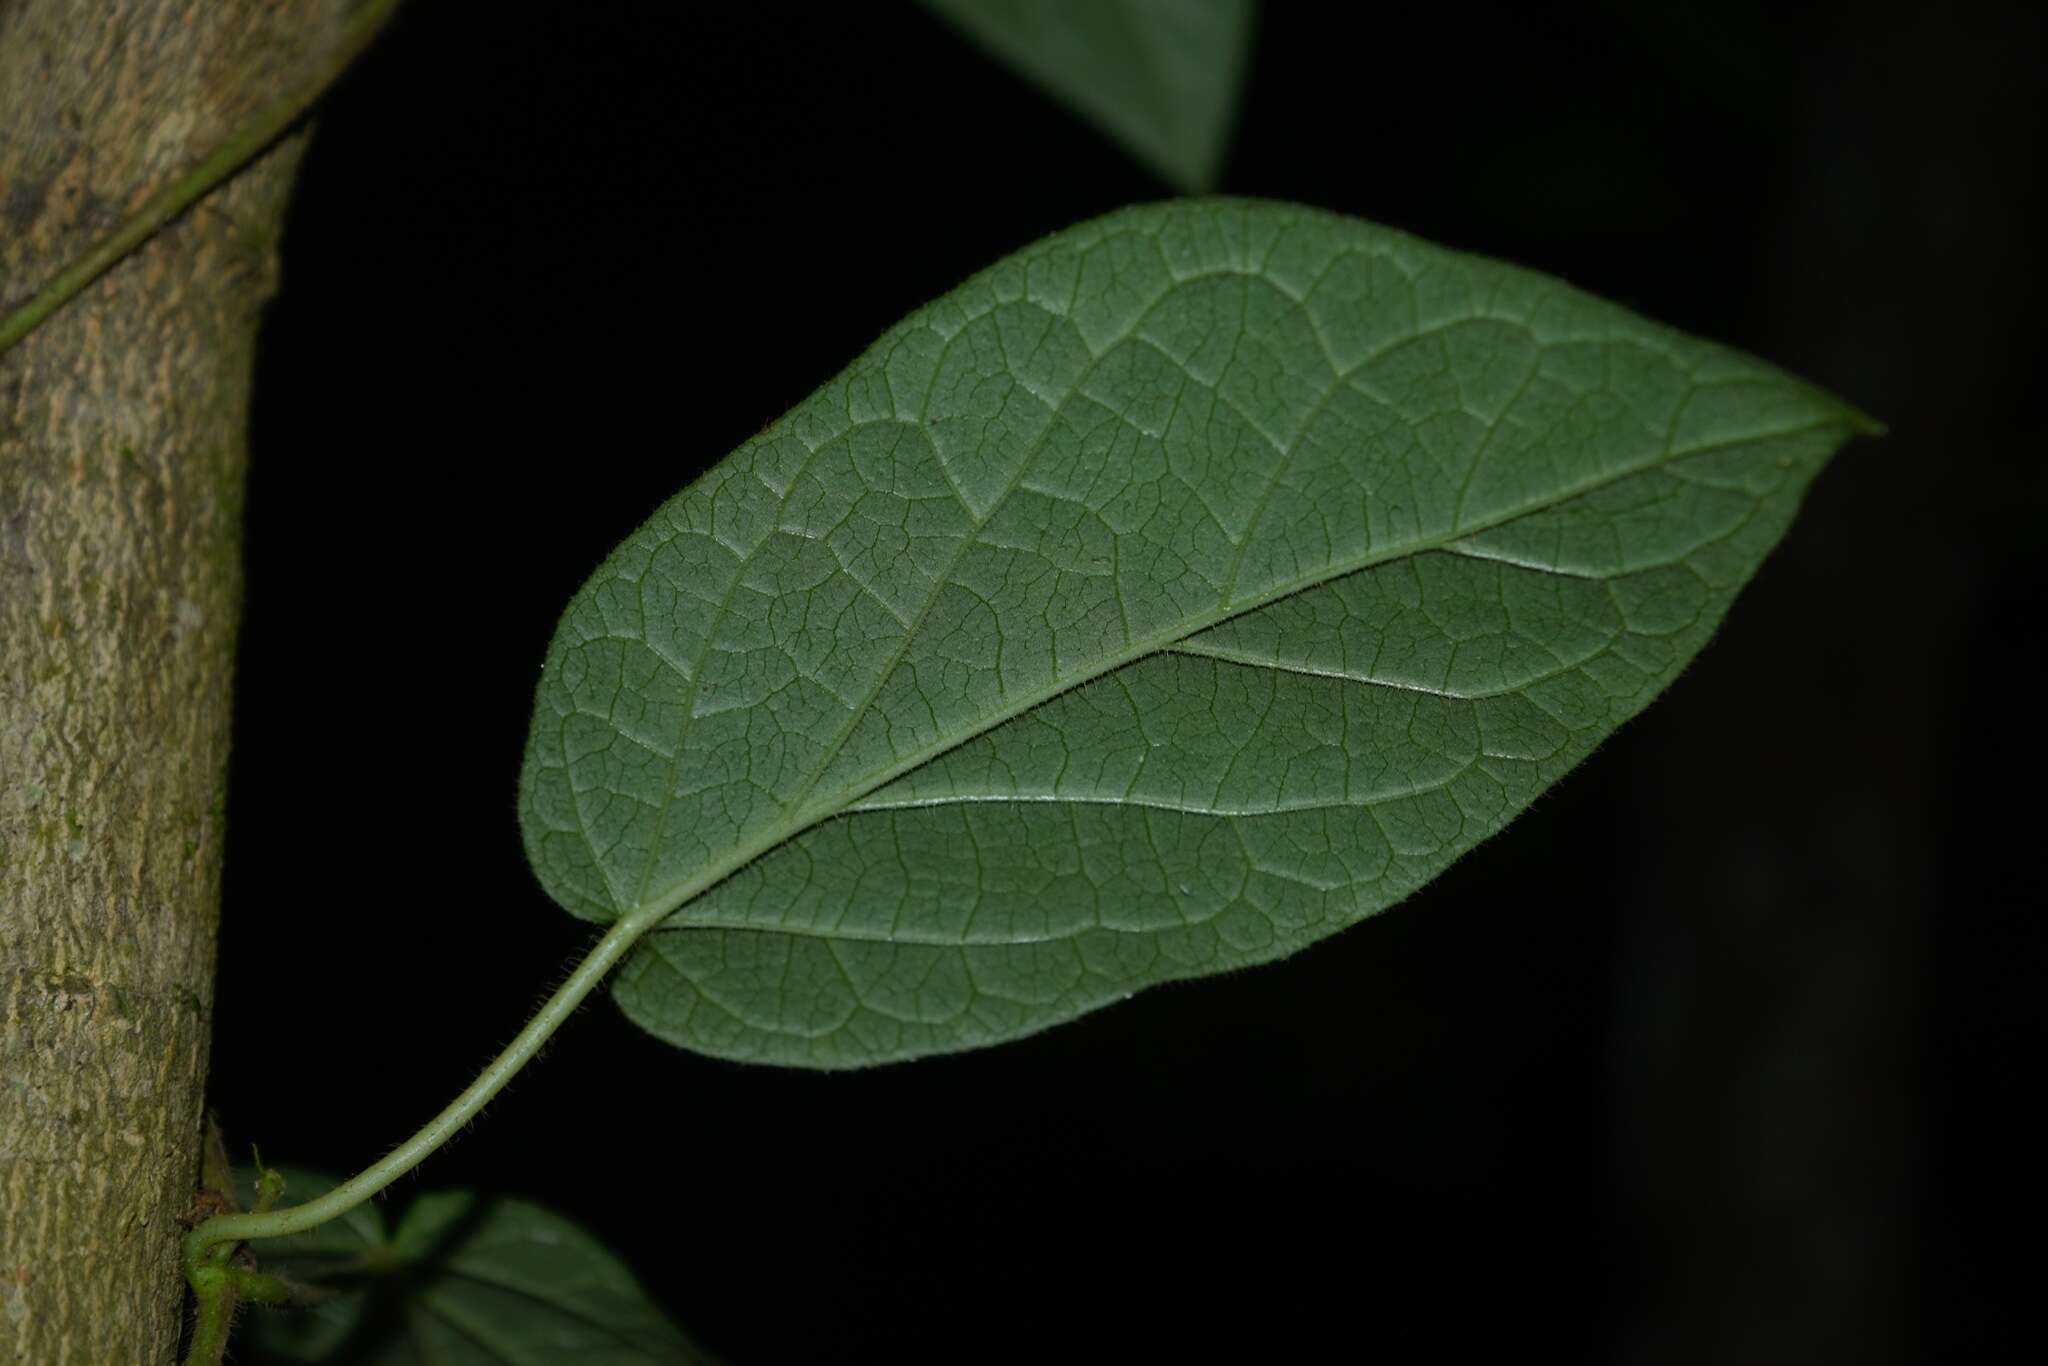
column 462, row 1280
column 1179, row 591
column 1160, row 76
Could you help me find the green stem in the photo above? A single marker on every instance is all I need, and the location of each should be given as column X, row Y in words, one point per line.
column 253, row 1287
column 225, row 1229
column 242, row 146
column 215, row 1295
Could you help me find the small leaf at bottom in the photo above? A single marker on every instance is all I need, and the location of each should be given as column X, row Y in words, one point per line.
column 463, row 1280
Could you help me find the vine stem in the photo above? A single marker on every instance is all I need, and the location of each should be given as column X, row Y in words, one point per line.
column 242, row 146
column 217, row 1284
column 203, row 1244
column 216, row 1316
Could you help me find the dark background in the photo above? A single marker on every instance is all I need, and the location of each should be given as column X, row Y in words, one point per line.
column 1726, row 1052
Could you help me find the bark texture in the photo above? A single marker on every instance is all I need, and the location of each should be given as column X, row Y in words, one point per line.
column 123, row 425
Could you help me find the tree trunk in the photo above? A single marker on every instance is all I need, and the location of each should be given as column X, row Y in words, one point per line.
column 123, row 423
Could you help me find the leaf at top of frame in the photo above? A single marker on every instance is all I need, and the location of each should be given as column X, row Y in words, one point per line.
column 1162, row 77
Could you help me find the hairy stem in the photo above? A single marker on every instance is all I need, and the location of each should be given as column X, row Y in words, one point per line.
column 214, row 1292
column 257, row 133
column 234, row 1228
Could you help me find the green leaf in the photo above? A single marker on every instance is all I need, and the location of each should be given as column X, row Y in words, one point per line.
column 1177, row 592
column 1159, row 76
column 464, row 1280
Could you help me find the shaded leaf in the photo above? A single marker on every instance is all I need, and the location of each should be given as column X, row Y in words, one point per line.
column 463, row 1280
column 1177, row 592
column 1160, row 76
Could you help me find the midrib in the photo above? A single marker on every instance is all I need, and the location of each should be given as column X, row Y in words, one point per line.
column 822, row 808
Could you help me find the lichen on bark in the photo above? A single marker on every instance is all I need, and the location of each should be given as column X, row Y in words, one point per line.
column 123, row 424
